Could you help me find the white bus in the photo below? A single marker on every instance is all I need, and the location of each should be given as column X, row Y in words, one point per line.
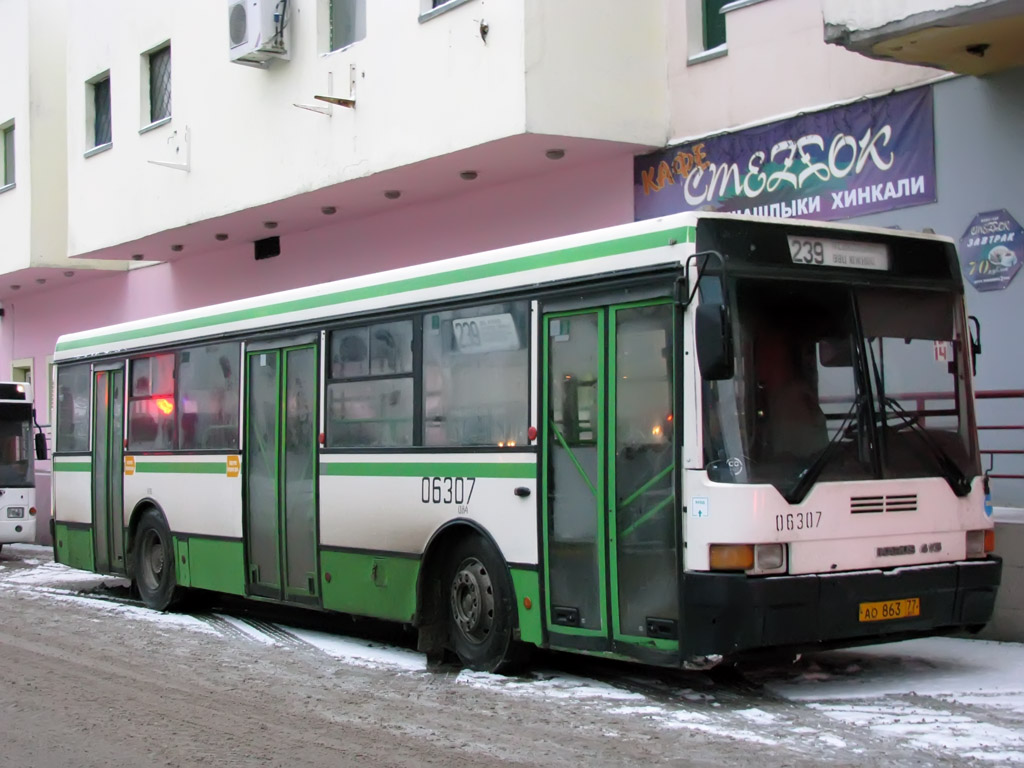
column 17, row 470
column 671, row 441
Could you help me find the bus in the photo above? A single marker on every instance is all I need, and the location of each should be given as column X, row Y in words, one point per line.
column 17, row 469
column 674, row 441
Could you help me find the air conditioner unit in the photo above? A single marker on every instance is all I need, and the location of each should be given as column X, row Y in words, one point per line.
column 258, row 31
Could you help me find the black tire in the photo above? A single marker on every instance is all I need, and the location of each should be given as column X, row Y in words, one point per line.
column 153, row 560
column 480, row 608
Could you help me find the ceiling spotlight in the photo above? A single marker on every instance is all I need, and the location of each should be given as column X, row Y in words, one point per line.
column 468, row 175
column 137, row 257
column 328, row 210
column 393, row 194
column 222, row 236
column 41, row 280
column 69, row 273
column 270, row 224
column 177, row 247
column 555, row 154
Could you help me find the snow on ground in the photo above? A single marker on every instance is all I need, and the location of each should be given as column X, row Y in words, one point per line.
column 940, row 694
column 362, row 653
column 932, row 666
column 925, row 699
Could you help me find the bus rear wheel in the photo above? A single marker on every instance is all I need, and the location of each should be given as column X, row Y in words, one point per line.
column 153, row 560
column 480, row 605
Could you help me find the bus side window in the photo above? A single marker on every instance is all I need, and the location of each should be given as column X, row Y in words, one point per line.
column 73, row 407
column 370, row 389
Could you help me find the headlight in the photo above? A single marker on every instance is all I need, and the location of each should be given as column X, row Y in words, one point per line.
column 769, row 557
column 15, row 512
column 980, row 543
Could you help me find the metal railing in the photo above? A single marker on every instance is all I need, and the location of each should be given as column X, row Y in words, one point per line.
column 992, row 453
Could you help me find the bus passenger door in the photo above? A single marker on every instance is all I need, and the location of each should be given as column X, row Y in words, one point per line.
column 281, row 470
column 107, row 470
column 611, row 527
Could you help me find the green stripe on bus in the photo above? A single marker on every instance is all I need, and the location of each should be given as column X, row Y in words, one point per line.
column 427, row 469
column 72, row 466
column 182, row 467
column 481, row 271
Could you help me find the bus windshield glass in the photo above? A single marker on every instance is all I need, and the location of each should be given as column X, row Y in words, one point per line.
column 840, row 382
column 15, row 445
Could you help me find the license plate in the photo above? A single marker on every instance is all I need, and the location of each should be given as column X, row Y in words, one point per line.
column 885, row 610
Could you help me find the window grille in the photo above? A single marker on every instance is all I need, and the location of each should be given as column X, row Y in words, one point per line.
column 160, row 84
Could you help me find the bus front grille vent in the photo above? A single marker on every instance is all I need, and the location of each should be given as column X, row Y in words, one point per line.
column 860, row 505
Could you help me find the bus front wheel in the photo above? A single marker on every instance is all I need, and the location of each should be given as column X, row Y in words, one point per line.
column 480, row 606
column 154, row 563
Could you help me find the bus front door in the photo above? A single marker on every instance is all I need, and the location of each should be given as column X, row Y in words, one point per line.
column 281, row 470
column 611, row 527
column 107, row 470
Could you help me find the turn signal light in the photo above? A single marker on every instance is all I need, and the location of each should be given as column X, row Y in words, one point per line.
column 990, row 540
column 732, row 557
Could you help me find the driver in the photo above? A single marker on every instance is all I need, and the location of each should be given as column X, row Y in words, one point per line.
column 794, row 422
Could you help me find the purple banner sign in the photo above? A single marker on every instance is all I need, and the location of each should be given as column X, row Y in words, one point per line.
column 991, row 250
column 871, row 156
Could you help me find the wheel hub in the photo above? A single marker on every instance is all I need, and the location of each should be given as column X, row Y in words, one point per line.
column 153, row 557
column 472, row 600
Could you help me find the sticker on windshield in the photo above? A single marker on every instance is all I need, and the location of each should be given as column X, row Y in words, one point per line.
column 699, row 506
column 943, row 352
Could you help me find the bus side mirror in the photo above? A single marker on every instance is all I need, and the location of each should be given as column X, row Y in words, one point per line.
column 714, row 342
column 40, row 446
column 975, row 341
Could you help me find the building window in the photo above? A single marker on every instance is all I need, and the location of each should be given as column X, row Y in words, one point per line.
column 348, row 22
column 99, row 117
column 714, row 23
column 159, row 84
column 432, row 8
column 7, row 155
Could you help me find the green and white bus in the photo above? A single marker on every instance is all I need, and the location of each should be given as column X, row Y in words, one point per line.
column 671, row 441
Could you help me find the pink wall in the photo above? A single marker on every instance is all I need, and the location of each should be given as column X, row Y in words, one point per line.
column 572, row 200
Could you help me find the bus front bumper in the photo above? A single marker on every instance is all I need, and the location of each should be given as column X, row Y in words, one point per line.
column 727, row 614
column 18, row 531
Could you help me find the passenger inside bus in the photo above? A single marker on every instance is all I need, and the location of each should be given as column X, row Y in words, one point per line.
column 793, row 422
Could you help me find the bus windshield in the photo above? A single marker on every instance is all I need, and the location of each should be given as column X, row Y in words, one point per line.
column 841, row 382
column 15, row 445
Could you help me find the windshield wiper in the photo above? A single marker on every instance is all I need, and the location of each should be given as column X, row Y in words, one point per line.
column 808, row 477
column 951, row 471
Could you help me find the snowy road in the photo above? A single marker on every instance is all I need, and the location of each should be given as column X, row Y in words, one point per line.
column 90, row 681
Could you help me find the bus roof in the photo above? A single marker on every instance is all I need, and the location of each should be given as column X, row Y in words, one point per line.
column 664, row 240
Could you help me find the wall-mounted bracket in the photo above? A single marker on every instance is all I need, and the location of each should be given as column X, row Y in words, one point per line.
column 187, row 141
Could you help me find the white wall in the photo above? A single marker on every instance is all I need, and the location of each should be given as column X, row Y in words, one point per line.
column 49, row 190
column 597, row 69
column 14, row 104
column 422, row 90
column 777, row 63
